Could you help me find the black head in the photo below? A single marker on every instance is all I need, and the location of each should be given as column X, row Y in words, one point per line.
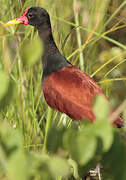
column 37, row 16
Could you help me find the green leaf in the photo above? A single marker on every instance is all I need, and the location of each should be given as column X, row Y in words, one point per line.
column 81, row 144
column 4, row 82
column 74, row 165
column 12, row 154
column 51, row 167
column 102, row 126
column 104, row 130
column 101, row 107
column 17, row 166
column 58, row 167
column 31, row 51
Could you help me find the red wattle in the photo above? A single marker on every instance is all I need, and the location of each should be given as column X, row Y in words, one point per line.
column 23, row 19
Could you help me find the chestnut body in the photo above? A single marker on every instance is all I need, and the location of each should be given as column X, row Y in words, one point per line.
column 71, row 91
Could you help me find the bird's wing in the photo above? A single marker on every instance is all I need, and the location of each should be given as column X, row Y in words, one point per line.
column 71, row 91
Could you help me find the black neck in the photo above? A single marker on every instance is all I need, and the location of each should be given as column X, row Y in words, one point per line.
column 52, row 60
column 47, row 39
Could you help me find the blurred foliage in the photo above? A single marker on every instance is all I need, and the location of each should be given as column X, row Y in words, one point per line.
column 4, row 82
column 31, row 51
column 65, row 149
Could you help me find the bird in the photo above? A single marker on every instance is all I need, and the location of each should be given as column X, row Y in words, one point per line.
column 65, row 87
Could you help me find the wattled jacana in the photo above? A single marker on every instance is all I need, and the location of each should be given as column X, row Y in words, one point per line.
column 65, row 87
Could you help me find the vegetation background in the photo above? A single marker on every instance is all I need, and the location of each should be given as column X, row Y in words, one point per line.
column 36, row 142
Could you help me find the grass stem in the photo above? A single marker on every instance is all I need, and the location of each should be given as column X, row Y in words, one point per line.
column 76, row 16
column 48, row 124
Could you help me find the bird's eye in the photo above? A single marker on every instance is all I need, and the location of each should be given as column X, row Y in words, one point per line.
column 30, row 15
